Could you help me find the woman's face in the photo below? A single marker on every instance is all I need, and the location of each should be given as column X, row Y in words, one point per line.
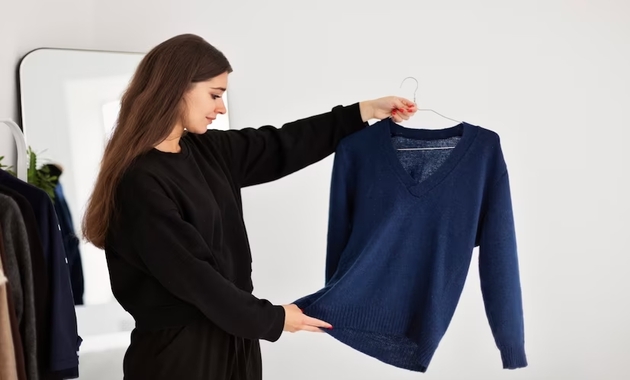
column 204, row 102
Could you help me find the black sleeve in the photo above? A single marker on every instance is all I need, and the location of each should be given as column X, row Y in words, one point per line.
column 268, row 153
column 173, row 252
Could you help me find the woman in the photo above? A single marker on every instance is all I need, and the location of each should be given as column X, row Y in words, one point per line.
column 166, row 208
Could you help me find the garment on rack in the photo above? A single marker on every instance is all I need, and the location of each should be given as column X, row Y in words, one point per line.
column 70, row 239
column 8, row 365
column 40, row 276
column 70, row 243
column 19, row 271
column 402, row 229
column 15, row 329
column 62, row 324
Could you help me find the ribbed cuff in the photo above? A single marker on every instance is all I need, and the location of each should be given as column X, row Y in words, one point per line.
column 513, row 357
column 277, row 326
column 355, row 121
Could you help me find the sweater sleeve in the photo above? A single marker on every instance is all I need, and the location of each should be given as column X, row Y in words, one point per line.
column 340, row 211
column 499, row 276
column 259, row 155
column 174, row 252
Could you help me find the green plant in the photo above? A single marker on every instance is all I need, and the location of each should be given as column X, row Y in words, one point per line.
column 39, row 177
column 8, row 168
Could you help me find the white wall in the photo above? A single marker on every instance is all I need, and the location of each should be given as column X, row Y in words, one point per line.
column 550, row 77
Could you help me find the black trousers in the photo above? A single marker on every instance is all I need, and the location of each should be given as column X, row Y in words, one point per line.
column 196, row 351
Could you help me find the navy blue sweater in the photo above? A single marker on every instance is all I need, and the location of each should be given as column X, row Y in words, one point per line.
column 402, row 228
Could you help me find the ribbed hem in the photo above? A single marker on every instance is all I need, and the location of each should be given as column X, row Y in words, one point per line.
column 381, row 334
column 513, row 357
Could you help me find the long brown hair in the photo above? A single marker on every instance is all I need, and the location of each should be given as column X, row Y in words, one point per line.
column 150, row 108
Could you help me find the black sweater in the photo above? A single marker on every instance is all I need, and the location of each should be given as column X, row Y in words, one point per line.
column 177, row 248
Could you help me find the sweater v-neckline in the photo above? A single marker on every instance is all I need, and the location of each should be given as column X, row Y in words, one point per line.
column 416, row 187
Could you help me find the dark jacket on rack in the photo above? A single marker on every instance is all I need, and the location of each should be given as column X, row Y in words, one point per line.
column 40, row 275
column 70, row 239
column 11, row 353
column 15, row 328
column 19, row 272
column 64, row 340
column 71, row 244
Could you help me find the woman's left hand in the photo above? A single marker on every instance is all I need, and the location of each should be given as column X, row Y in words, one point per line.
column 397, row 108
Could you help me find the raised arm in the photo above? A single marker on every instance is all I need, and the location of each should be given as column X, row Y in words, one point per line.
column 259, row 155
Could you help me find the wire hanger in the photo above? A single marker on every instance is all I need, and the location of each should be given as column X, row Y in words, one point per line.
column 430, row 110
column 425, row 109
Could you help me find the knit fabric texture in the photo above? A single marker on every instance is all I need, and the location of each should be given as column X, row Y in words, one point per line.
column 403, row 224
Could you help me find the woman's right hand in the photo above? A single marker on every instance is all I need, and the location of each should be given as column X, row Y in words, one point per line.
column 295, row 320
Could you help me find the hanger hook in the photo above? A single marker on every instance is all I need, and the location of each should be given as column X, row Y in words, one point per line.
column 414, row 91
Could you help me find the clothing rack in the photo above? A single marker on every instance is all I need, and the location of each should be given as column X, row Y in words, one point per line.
column 44, row 336
column 20, row 142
